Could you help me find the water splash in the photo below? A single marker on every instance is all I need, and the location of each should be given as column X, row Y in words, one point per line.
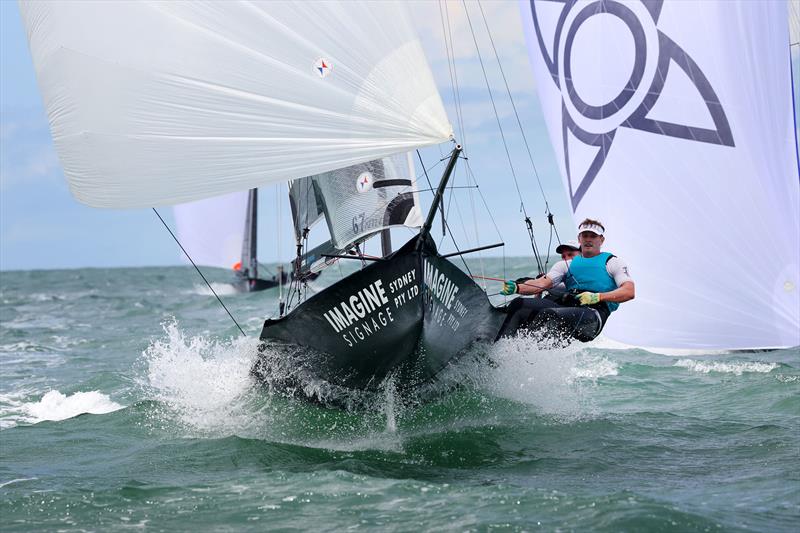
column 202, row 382
column 390, row 405
column 554, row 379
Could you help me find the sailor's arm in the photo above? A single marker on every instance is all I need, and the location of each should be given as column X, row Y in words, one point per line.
column 534, row 286
column 626, row 290
column 623, row 293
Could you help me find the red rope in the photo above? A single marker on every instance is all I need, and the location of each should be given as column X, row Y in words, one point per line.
column 492, row 279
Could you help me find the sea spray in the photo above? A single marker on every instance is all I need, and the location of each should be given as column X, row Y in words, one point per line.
column 539, row 372
column 201, row 382
column 204, row 389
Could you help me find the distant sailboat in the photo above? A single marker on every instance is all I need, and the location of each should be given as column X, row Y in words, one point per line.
column 222, row 232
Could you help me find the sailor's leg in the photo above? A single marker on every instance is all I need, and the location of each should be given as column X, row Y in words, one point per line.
column 521, row 312
column 581, row 323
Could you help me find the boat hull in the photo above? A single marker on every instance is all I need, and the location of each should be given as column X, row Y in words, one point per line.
column 410, row 314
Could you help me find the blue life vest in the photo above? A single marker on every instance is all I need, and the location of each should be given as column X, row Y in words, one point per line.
column 590, row 274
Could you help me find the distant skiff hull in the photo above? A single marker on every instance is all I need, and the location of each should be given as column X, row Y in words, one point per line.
column 410, row 314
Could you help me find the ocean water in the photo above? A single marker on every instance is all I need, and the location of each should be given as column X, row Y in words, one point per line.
column 126, row 402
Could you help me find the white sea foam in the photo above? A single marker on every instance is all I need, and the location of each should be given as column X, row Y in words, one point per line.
column 222, row 289
column 57, row 406
column 737, row 368
column 201, row 380
column 18, row 480
column 594, row 368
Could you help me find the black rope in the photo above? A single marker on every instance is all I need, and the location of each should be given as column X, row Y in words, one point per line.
column 525, row 140
column 198, row 271
column 451, row 64
column 514, row 107
column 503, row 138
column 494, row 108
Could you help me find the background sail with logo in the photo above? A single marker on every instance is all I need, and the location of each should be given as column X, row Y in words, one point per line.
column 673, row 125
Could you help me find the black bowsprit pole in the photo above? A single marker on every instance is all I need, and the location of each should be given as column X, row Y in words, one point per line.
column 426, row 228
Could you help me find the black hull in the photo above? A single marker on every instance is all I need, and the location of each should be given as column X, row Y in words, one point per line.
column 408, row 315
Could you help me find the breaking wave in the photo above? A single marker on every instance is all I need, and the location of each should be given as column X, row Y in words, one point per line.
column 737, row 368
column 222, row 289
column 56, row 406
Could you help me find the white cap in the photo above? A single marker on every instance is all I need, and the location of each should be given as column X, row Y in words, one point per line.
column 594, row 228
column 573, row 244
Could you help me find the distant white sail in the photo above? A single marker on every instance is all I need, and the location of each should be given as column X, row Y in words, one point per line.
column 160, row 102
column 212, row 230
column 673, row 125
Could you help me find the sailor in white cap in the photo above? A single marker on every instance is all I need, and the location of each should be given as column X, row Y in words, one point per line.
column 600, row 279
column 568, row 250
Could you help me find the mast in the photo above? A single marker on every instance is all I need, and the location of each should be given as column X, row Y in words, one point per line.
column 386, row 242
column 249, row 261
column 426, row 228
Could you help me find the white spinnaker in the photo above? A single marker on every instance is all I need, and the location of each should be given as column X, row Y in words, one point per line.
column 156, row 103
column 699, row 186
column 212, row 230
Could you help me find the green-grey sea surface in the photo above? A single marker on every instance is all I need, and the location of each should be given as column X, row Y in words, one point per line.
column 126, row 402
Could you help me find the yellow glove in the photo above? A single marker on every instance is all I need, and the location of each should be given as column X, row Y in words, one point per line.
column 589, row 298
column 509, row 287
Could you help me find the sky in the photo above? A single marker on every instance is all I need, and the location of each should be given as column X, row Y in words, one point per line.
column 42, row 226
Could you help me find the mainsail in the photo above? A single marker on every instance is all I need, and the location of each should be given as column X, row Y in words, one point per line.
column 363, row 199
column 157, row 103
column 673, row 125
column 357, row 202
column 306, row 207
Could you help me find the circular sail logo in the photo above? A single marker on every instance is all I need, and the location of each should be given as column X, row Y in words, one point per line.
column 364, row 182
column 323, row 67
column 611, row 61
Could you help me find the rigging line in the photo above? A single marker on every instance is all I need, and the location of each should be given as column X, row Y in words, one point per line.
column 503, row 137
column 425, row 171
column 475, row 225
column 454, row 200
column 483, row 199
column 451, row 63
column 494, row 108
column 514, row 107
column 443, row 218
column 449, row 187
column 491, row 217
column 529, row 226
column 549, row 244
column 198, row 271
